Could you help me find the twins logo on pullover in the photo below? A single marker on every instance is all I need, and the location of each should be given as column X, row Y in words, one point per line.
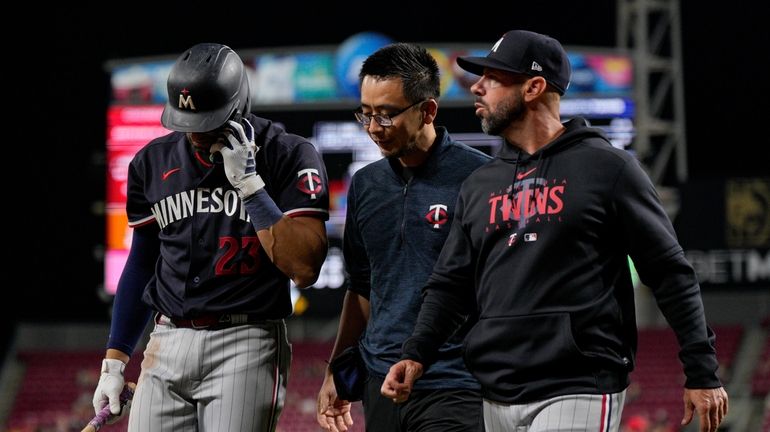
column 536, row 200
column 437, row 215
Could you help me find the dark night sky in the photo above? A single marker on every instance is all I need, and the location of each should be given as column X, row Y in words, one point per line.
column 64, row 90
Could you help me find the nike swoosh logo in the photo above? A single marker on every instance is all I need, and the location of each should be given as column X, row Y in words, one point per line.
column 521, row 175
column 169, row 172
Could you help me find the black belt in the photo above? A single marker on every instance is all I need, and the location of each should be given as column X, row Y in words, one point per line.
column 210, row 321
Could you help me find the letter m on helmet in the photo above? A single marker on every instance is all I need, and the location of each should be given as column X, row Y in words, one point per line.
column 186, row 102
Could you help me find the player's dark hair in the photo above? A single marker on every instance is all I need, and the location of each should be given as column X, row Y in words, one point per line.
column 417, row 69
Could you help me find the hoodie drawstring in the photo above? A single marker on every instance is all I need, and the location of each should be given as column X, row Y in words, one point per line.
column 538, row 166
column 515, row 171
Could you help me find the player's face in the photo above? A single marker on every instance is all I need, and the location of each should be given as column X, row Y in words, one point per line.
column 204, row 140
column 498, row 100
column 387, row 97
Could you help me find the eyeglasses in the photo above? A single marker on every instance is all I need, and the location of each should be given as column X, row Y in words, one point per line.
column 383, row 120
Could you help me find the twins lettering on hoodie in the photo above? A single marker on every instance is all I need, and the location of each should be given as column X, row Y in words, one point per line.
column 534, row 200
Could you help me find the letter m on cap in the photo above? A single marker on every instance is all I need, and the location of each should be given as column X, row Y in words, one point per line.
column 186, row 102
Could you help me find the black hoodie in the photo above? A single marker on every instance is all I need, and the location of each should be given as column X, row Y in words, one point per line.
column 543, row 242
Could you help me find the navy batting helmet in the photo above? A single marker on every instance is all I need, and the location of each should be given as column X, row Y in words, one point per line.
column 207, row 86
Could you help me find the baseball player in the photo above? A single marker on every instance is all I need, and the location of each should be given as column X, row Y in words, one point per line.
column 225, row 211
column 541, row 239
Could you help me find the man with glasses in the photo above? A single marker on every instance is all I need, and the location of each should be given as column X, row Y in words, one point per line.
column 400, row 209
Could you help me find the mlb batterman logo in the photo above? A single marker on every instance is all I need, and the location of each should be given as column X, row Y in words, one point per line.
column 309, row 182
column 437, row 215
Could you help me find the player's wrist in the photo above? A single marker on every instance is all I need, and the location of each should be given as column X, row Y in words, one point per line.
column 262, row 210
column 116, row 354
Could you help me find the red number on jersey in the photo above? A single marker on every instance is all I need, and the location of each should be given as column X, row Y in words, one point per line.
column 232, row 262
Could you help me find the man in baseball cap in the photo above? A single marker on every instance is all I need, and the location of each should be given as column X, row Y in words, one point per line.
column 528, row 53
column 546, row 231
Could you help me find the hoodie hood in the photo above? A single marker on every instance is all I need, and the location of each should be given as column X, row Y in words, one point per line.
column 577, row 130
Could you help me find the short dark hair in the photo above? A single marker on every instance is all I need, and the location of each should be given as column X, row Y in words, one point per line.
column 412, row 63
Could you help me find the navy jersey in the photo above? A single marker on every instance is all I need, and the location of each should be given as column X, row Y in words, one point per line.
column 394, row 232
column 211, row 260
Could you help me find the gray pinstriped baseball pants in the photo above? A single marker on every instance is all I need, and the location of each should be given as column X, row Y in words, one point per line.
column 580, row 412
column 230, row 379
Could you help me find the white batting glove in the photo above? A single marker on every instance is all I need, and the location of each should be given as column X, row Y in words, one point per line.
column 238, row 157
column 110, row 385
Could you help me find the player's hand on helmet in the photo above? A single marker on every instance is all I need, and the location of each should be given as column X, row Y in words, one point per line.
column 110, row 386
column 238, row 157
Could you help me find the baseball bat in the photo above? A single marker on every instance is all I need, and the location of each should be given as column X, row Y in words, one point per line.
column 100, row 419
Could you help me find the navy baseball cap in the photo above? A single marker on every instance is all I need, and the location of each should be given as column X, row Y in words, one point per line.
column 525, row 52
